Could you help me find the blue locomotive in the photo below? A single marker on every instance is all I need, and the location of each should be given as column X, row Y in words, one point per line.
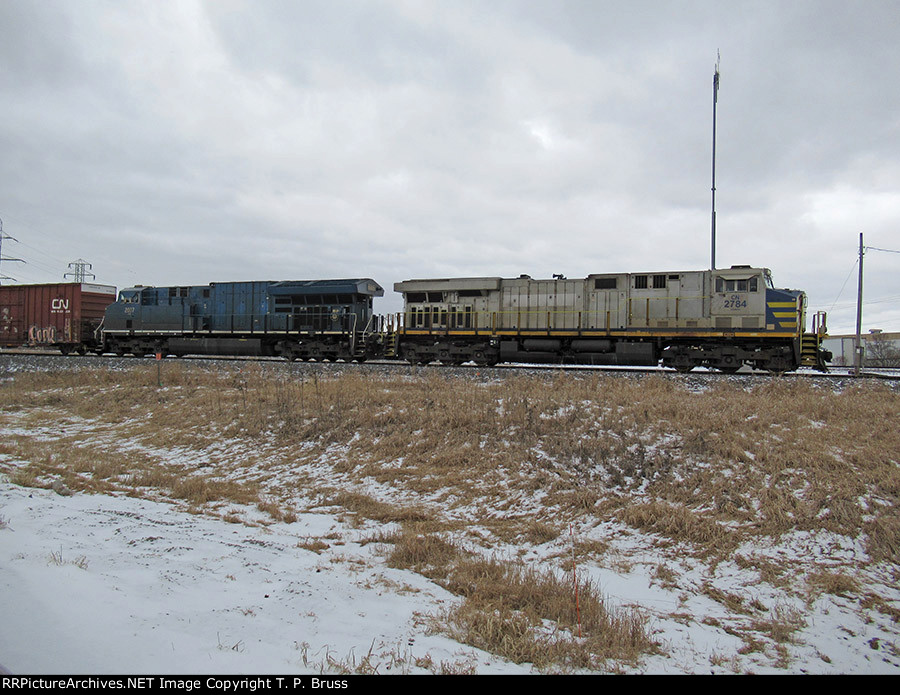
column 303, row 319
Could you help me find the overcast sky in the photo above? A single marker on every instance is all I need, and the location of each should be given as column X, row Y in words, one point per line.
column 190, row 142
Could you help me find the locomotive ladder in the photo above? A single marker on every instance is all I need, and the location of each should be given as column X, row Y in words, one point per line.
column 811, row 344
column 390, row 337
column 381, row 330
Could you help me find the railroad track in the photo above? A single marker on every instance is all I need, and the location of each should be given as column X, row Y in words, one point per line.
column 60, row 361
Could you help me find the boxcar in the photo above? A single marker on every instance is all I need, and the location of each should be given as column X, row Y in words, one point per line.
column 61, row 315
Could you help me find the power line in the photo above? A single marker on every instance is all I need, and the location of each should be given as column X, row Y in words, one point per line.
column 844, row 285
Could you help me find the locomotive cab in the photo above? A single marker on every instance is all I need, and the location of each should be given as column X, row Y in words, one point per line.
column 738, row 298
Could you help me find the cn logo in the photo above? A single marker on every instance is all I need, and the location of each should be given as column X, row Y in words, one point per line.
column 59, row 305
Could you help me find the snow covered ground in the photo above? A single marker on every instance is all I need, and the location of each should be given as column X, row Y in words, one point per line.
column 96, row 584
column 112, row 584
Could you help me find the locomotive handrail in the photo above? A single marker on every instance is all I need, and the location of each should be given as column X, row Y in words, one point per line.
column 571, row 320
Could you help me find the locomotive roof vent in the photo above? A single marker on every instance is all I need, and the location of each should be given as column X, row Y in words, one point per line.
column 524, row 276
column 740, row 267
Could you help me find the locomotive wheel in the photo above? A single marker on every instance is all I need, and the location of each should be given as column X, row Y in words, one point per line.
column 486, row 361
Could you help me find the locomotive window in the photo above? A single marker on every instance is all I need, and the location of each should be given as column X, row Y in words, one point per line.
column 206, row 293
column 659, row 282
column 605, row 283
column 744, row 285
column 435, row 296
column 415, row 297
column 470, row 293
column 640, row 282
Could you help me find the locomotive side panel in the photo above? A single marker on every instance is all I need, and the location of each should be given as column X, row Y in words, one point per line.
column 607, row 301
column 540, row 305
column 668, row 300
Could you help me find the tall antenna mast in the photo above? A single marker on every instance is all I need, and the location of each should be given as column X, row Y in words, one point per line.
column 859, row 356
column 712, row 261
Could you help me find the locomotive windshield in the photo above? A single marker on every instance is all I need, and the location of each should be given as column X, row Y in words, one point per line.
column 737, row 285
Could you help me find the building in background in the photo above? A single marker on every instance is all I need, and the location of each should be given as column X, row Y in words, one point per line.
column 880, row 349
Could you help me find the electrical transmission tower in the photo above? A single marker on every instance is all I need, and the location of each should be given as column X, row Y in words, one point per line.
column 4, row 235
column 80, row 270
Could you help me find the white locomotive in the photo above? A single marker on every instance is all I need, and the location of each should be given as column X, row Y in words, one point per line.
column 684, row 319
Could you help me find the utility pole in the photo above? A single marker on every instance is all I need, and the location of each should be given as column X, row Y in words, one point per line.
column 857, row 364
column 80, row 273
column 712, row 261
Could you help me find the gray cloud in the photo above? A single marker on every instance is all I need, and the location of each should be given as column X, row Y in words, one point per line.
column 192, row 142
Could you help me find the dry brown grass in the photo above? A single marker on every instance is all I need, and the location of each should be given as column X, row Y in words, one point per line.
column 837, row 583
column 708, row 469
column 521, row 613
column 519, row 458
